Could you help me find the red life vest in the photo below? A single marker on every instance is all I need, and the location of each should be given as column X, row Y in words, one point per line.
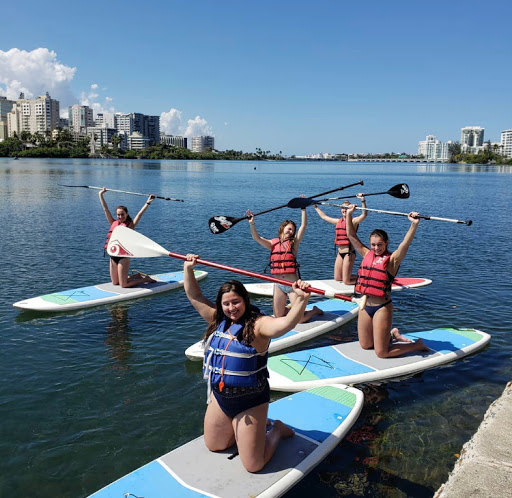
column 115, row 224
column 282, row 259
column 373, row 279
column 341, row 238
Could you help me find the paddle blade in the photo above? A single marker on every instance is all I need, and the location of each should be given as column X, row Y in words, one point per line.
column 400, row 191
column 125, row 242
column 300, row 202
column 220, row 224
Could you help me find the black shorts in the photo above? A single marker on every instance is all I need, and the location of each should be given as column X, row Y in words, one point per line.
column 116, row 259
column 235, row 400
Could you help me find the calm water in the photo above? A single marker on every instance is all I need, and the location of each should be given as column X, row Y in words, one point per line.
column 88, row 396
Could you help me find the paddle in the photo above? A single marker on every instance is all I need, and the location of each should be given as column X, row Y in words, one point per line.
column 220, row 224
column 424, row 217
column 400, row 191
column 125, row 242
column 124, row 192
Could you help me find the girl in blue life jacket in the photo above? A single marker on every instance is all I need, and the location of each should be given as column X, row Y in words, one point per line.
column 119, row 266
column 374, row 278
column 236, row 351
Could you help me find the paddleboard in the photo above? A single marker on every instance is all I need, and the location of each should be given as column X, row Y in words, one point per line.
column 348, row 363
column 320, row 418
column 95, row 295
column 336, row 313
column 401, row 283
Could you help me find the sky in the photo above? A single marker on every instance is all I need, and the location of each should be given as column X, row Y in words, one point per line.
column 296, row 77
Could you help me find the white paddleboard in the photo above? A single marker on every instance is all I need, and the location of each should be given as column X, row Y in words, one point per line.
column 348, row 363
column 95, row 295
column 336, row 313
column 401, row 283
column 321, row 418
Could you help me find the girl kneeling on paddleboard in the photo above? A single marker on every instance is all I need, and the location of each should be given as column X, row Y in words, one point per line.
column 345, row 252
column 120, row 266
column 283, row 261
column 235, row 365
column 374, row 278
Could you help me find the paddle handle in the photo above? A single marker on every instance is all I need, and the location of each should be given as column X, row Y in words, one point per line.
column 248, row 273
column 125, row 192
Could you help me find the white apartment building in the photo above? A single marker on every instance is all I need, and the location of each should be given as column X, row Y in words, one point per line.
column 199, row 144
column 174, row 140
column 80, row 118
column 471, row 139
column 433, row 149
column 138, row 141
column 105, row 120
column 5, row 108
column 506, row 144
column 125, row 123
column 38, row 115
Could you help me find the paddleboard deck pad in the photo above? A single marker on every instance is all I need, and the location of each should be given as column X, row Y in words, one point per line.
column 401, row 283
column 95, row 295
column 320, row 418
column 348, row 363
column 336, row 313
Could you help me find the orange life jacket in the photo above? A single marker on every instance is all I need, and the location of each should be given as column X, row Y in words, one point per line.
column 341, row 238
column 373, row 279
column 282, row 259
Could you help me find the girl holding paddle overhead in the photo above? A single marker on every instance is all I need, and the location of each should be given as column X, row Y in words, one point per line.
column 283, row 261
column 119, row 266
column 374, row 278
column 235, row 364
column 345, row 252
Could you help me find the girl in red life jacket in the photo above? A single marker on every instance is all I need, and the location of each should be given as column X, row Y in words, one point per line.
column 345, row 252
column 234, row 413
column 283, row 261
column 376, row 273
column 119, row 266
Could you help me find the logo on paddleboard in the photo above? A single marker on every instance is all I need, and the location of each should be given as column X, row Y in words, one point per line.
column 115, row 248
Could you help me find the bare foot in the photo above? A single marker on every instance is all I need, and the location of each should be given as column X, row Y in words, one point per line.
column 284, row 431
column 317, row 310
column 149, row 280
column 421, row 346
column 397, row 336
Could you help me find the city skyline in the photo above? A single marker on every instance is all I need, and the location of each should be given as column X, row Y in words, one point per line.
column 336, row 78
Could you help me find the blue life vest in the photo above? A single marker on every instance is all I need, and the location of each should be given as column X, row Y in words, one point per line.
column 228, row 360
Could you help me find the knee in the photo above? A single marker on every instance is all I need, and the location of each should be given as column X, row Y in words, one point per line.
column 382, row 354
column 366, row 345
column 254, row 465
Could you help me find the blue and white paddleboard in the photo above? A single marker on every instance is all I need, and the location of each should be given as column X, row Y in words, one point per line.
column 336, row 313
column 321, row 418
column 95, row 295
column 401, row 283
column 348, row 363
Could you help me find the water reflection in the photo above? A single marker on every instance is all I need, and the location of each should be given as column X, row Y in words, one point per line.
column 463, row 168
column 118, row 337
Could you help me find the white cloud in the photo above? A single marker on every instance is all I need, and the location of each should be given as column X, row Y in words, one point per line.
column 35, row 73
column 171, row 123
column 198, row 126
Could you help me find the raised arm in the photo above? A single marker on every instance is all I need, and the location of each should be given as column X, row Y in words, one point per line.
column 270, row 327
column 351, row 233
column 361, row 217
column 267, row 244
column 302, row 228
column 137, row 218
column 324, row 217
column 202, row 305
column 398, row 255
column 108, row 214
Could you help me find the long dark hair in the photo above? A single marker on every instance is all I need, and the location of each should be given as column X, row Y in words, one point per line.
column 250, row 315
column 129, row 220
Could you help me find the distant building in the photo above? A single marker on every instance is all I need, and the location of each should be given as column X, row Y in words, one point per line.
column 199, row 144
column 106, row 120
column 506, row 144
column 433, row 149
column 174, row 140
column 471, row 139
column 138, row 141
column 80, row 118
column 5, row 108
column 40, row 115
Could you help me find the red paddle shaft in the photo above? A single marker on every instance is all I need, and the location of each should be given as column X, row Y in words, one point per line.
column 259, row 275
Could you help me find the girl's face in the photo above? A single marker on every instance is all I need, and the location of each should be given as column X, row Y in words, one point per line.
column 288, row 231
column 233, row 306
column 377, row 245
column 344, row 212
column 121, row 214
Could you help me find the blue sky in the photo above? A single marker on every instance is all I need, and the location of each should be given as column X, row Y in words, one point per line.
column 292, row 76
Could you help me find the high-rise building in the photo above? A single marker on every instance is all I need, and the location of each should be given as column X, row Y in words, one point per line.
column 199, row 144
column 433, row 149
column 175, row 140
column 506, row 143
column 471, row 139
column 5, row 108
column 80, row 118
column 40, row 115
column 106, row 120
